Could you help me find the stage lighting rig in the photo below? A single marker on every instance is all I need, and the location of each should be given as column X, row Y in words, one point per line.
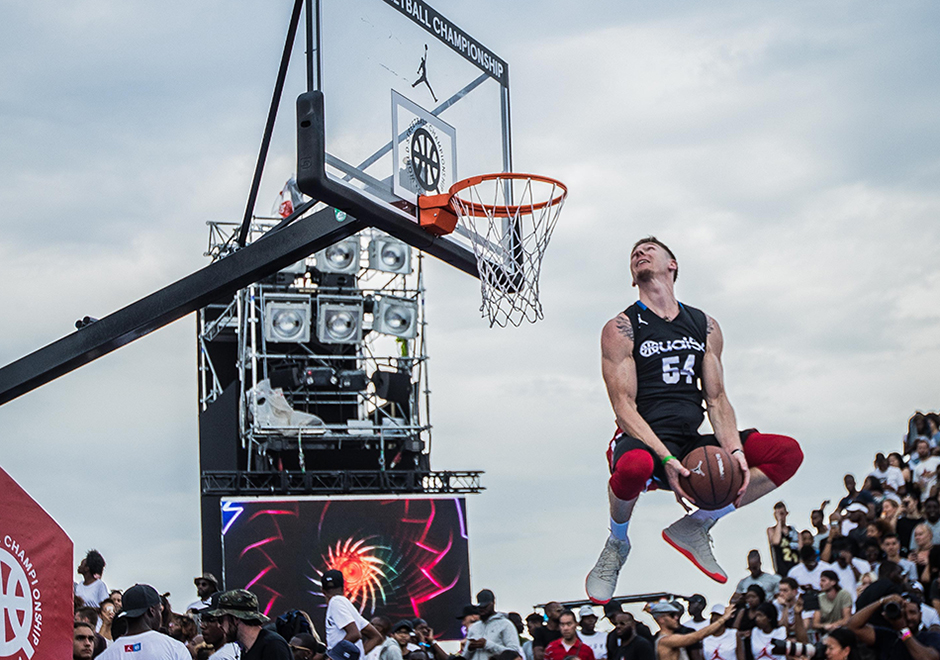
column 341, row 257
column 286, row 318
column 389, row 255
column 395, row 316
column 339, row 319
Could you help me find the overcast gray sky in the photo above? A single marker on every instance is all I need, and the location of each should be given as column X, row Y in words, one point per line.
column 789, row 154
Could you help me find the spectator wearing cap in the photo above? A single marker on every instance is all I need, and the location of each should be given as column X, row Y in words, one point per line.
column 240, row 619
column 587, row 622
column 343, row 621
column 395, row 647
column 835, row 603
column 213, row 634
column 569, row 644
column 624, row 642
column 305, row 646
column 91, row 589
column 206, row 585
column 697, row 605
column 344, row 650
column 549, row 632
column 723, row 643
column 807, row 572
column 469, row 615
column 493, row 633
column 143, row 614
column 669, row 642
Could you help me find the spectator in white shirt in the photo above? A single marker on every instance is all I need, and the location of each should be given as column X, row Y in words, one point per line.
column 91, row 589
column 343, row 621
column 925, row 472
column 890, row 477
column 807, row 572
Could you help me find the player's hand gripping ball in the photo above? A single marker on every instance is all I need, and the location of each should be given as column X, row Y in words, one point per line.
column 714, row 479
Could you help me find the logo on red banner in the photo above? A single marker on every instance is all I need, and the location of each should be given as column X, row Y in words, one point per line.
column 20, row 601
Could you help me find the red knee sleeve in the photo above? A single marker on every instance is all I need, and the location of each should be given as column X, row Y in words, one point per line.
column 631, row 473
column 777, row 456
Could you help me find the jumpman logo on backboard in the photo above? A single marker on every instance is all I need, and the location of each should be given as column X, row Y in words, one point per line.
column 423, row 73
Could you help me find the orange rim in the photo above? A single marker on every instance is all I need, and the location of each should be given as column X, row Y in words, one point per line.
column 481, row 210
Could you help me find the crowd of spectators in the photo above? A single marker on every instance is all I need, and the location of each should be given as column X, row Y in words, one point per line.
column 860, row 582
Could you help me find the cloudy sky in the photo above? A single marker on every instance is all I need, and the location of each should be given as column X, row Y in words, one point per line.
column 787, row 152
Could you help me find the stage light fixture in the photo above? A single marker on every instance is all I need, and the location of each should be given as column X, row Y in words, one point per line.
column 396, row 316
column 389, row 255
column 287, row 318
column 341, row 257
column 339, row 319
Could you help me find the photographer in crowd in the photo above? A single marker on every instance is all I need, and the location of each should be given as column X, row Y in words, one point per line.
column 906, row 639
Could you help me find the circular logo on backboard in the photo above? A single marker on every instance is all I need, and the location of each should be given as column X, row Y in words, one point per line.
column 425, row 158
column 17, row 605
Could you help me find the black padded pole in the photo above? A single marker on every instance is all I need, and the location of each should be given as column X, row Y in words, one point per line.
column 269, row 126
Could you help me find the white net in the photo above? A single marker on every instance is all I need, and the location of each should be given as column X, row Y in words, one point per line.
column 509, row 220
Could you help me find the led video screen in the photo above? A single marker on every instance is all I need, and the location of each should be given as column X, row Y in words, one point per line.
column 401, row 557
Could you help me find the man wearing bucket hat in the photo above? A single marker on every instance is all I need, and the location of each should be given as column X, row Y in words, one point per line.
column 206, row 585
column 238, row 615
column 142, row 611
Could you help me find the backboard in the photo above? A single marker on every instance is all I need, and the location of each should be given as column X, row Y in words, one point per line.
column 412, row 103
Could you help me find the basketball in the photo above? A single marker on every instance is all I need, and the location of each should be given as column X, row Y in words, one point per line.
column 715, row 479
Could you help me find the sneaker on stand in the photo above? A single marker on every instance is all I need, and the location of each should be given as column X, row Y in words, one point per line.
column 601, row 582
column 690, row 536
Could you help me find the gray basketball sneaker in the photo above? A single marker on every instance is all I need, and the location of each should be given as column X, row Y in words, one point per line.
column 602, row 580
column 690, row 536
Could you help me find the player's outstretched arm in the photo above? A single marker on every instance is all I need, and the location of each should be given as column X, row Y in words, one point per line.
column 718, row 407
column 619, row 371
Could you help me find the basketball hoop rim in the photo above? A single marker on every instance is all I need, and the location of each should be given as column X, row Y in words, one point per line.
column 480, row 210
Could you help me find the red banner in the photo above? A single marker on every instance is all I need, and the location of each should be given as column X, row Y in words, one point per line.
column 36, row 607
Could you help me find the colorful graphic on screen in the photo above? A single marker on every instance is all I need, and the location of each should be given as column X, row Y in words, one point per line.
column 402, row 558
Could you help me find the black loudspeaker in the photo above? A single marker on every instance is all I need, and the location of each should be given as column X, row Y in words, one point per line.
column 394, row 386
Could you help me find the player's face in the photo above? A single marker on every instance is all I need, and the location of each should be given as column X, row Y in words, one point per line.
column 648, row 259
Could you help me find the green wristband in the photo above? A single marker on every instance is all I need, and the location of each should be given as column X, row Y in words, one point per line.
column 668, row 458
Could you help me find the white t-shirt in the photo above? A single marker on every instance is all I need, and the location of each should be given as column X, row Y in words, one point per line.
column 339, row 614
column 597, row 642
column 928, row 616
column 929, row 464
column 92, row 594
column 695, row 625
column 804, row 576
column 230, row 651
column 149, row 645
column 198, row 606
column 723, row 647
column 892, row 477
column 846, row 575
column 760, row 643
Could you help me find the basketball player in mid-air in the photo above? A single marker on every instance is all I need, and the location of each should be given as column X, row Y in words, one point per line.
column 661, row 360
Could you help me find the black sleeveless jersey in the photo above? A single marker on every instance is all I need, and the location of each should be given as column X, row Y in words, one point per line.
column 668, row 357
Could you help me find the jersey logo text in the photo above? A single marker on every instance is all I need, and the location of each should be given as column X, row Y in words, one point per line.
column 650, row 347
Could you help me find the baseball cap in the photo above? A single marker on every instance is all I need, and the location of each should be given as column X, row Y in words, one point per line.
column 663, row 607
column 138, row 599
column 468, row 610
column 696, row 598
column 404, row 624
column 344, row 650
column 586, row 610
column 857, row 506
column 718, row 608
column 485, row 597
column 332, row 579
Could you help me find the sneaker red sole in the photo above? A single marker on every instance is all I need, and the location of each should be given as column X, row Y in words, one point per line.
column 717, row 577
column 592, row 598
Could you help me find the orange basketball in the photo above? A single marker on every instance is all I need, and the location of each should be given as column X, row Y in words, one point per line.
column 715, row 479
